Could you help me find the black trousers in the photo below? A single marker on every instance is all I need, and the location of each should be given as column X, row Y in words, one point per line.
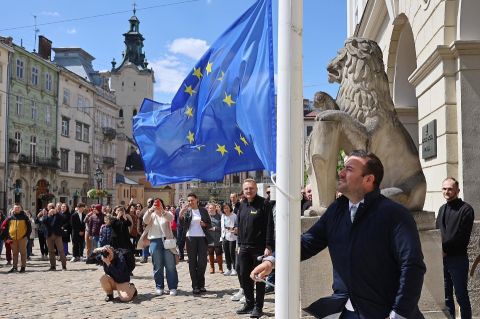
column 197, row 260
column 77, row 243
column 229, row 250
column 180, row 242
column 247, row 261
column 42, row 240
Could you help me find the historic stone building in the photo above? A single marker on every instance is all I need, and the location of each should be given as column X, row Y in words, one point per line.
column 32, row 133
column 93, row 118
column 431, row 51
column 6, row 52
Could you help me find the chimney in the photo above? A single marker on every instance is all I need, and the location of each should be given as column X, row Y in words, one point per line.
column 44, row 48
column 7, row 40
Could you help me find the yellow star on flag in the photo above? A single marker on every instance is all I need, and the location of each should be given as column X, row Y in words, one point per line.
column 220, row 78
column 189, row 90
column 238, row 149
column 208, row 68
column 197, row 72
column 228, row 99
column 190, row 137
column 189, row 111
column 243, row 139
column 221, row 149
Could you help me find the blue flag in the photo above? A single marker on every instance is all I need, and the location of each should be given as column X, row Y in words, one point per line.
column 222, row 120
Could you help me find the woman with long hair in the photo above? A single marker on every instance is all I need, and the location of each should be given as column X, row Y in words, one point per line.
column 162, row 247
column 229, row 238
column 213, row 239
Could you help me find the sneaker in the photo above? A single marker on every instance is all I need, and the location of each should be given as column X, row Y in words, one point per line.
column 52, row 269
column 12, row 270
column 246, row 309
column 203, row 290
column 74, row 259
column 238, row 295
column 159, row 291
column 227, row 273
column 64, row 268
column 196, row 292
column 29, row 258
column 173, row 292
column 143, row 261
column 22, row 269
column 243, row 300
column 256, row 313
column 233, row 273
column 9, row 262
column 109, row 298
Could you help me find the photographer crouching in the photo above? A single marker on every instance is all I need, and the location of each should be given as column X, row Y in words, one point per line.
column 118, row 266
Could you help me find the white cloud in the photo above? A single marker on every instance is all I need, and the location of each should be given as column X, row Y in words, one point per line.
column 170, row 72
column 50, row 13
column 192, row 48
column 71, row 31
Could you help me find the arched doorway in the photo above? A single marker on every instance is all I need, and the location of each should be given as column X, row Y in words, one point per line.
column 43, row 194
column 403, row 92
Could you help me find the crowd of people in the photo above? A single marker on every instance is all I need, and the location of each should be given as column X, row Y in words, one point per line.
column 378, row 266
column 162, row 233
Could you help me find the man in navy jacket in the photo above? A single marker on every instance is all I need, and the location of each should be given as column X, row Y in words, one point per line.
column 373, row 243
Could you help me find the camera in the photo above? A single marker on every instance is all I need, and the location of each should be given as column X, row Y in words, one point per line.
column 96, row 256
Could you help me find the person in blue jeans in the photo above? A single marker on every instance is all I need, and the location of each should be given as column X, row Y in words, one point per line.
column 455, row 221
column 164, row 260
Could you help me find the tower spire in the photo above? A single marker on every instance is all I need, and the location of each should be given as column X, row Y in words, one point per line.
column 134, row 8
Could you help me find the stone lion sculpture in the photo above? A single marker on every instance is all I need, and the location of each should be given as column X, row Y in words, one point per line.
column 363, row 117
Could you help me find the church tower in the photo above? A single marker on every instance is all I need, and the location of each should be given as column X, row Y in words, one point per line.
column 132, row 81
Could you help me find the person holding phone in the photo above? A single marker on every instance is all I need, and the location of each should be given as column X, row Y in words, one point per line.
column 229, row 238
column 164, row 258
column 195, row 221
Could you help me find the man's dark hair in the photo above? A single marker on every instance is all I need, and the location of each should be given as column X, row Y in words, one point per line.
column 81, row 204
column 373, row 166
column 192, row 195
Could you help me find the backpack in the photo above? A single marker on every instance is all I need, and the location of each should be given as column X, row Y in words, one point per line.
column 128, row 256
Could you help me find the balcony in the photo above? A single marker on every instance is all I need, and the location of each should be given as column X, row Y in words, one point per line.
column 109, row 133
column 110, row 161
column 41, row 162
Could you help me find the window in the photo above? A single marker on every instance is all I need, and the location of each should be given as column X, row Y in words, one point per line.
column 120, row 113
column 48, row 81
column 1, row 73
column 65, row 126
column 80, row 101
column 34, row 76
column 33, row 148
column 82, row 163
column 85, row 164
column 20, row 69
column 235, row 179
column 18, row 142
column 48, row 115
column 19, row 105
column 78, row 131
column 34, row 111
column 86, row 130
column 64, row 160
column 66, row 96
column 47, row 147
column 78, row 163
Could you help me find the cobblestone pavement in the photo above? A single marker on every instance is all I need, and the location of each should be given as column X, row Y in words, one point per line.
column 76, row 293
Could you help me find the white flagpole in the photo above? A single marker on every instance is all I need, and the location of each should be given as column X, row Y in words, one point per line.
column 289, row 141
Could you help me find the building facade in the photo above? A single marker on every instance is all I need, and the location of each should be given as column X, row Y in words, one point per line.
column 32, row 129
column 6, row 53
column 75, row 136
column 431, row 51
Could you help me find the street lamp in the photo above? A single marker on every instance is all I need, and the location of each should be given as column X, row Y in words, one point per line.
column 99, row 178
column 214, row 191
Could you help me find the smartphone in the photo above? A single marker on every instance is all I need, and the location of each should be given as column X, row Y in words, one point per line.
column 157, row 203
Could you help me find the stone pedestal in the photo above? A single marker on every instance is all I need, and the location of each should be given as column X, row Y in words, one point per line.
column 474, row 283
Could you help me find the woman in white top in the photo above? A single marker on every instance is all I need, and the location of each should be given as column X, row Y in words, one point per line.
column 158, row 222
column 229, row 238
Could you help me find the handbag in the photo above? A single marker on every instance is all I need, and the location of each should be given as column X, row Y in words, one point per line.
column 169, row 243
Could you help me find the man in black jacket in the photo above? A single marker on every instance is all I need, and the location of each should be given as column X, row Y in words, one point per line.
column 117, row 274
column 255, row 238
column 78, row 231
column 455, row 221
column 374, row 246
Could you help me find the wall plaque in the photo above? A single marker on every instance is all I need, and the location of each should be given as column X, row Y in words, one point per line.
column 429, row 140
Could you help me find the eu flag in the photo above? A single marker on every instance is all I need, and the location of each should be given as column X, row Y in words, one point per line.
column 222, row 119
